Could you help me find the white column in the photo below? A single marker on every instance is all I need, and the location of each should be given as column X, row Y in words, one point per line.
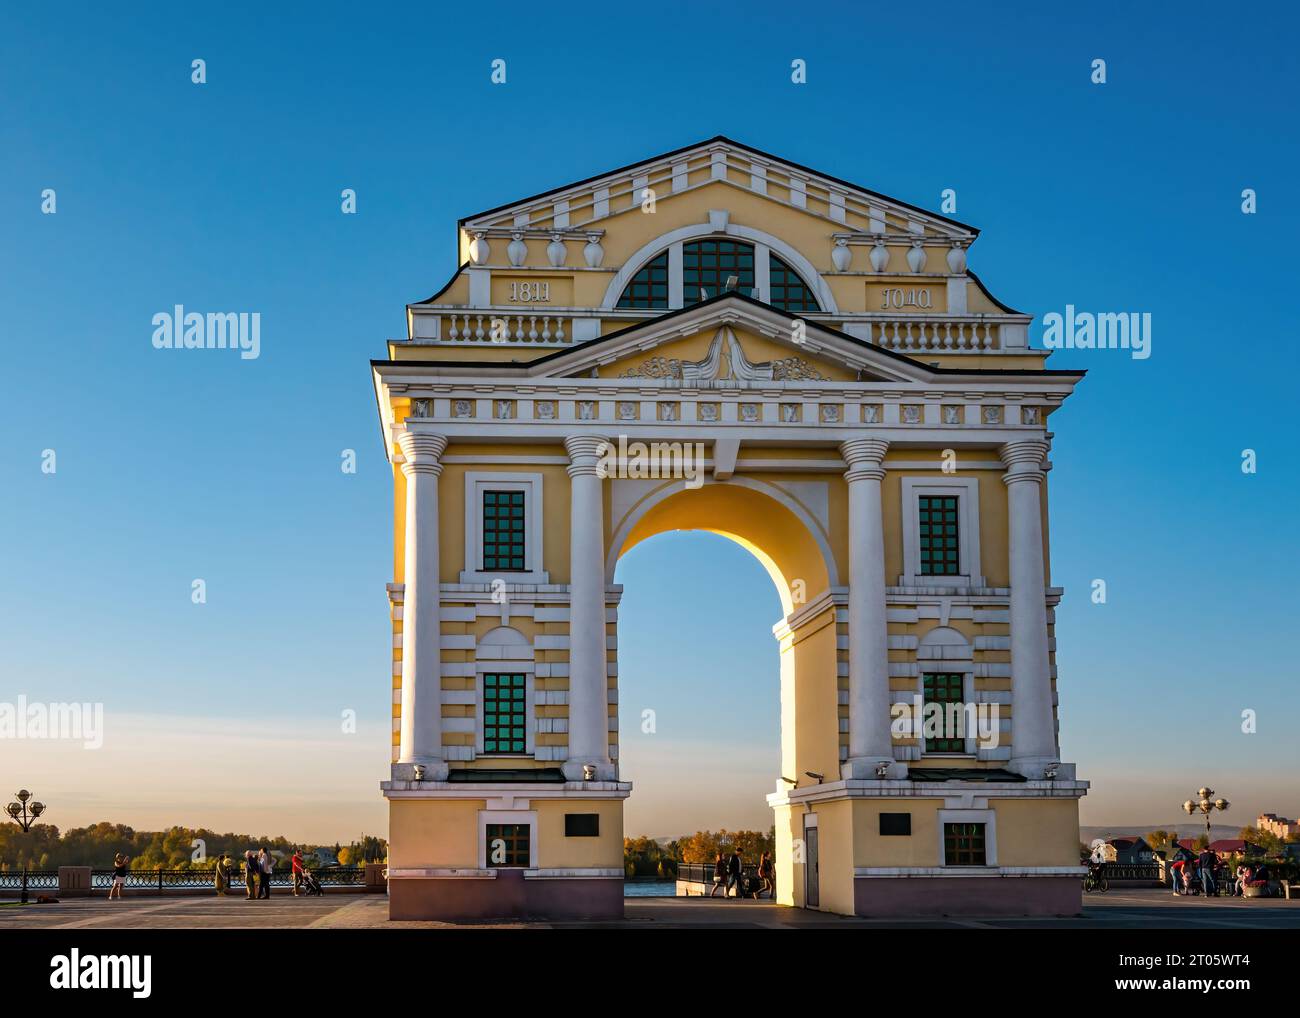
column 421, row 732
column 869, row 698
column 1033, row 734
column 588, row 679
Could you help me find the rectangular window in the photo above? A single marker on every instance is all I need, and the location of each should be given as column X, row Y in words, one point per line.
column 503, row 531
column 943, row 688
column 507, row 844
column 505, row 708
column 963, row 845
column 582, row 825
column 895, row 824
column 937, row 531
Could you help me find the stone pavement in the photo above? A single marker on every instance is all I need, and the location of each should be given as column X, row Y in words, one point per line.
column 1127, row 909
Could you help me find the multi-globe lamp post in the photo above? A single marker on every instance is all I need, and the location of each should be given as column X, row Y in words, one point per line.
column 1205, row 805
column 24, row 814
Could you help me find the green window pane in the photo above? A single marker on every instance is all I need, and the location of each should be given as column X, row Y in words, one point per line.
column 504, row 531
column 938, row 535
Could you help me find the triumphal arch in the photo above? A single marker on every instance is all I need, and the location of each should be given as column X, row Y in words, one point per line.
column 719, row 339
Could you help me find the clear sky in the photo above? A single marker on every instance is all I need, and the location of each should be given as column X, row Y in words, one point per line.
column 1123, row 196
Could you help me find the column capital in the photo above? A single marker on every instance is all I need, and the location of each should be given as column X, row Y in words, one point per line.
column 1024, row 460
column 865, row 457
column 422, row 452
column 585, row 452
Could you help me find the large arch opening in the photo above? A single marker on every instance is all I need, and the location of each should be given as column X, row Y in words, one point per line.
column 740, row 708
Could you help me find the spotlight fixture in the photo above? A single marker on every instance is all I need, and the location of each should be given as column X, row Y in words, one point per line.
column 816, row 777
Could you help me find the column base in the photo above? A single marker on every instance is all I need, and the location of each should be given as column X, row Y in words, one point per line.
column 1035, row 768
column 867, row 768
column 575, row 770
column 434, row 770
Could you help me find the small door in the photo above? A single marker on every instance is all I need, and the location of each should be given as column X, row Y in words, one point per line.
column 811, row 875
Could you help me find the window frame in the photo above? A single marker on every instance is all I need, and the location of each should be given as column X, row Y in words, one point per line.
column 763, row 252
column 966, row 490
column 965, row 740
column 988, row 818
column 495, row 817
column 509, row 667
column 476, row 483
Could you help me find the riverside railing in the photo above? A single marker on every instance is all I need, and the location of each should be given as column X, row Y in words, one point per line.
column 159, row 881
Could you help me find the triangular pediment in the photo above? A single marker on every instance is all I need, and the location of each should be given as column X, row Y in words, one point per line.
column 731, row 341
column 589, row 204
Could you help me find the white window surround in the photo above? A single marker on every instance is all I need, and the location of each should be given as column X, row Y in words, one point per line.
column 971, row 816
column 944, row 650
column 763, row 244
column 478, row 481
column 967, row 672
column 502, row 816
column 967, row 490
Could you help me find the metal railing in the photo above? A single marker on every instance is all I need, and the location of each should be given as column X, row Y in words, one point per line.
column 37, row 880
column 160, row 880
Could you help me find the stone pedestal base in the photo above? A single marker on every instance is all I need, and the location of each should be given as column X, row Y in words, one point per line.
column 508, row 895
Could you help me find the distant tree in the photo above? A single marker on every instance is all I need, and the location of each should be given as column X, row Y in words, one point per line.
column 1269, row 842
column 1161, row 840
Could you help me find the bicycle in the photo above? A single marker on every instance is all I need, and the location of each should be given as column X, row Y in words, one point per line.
column 1095, row 881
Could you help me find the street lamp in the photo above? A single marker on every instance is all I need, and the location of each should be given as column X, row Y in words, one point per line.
column 24, row 816
column 1205, row 805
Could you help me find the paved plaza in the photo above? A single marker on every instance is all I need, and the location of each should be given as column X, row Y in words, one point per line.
column 1129, row 909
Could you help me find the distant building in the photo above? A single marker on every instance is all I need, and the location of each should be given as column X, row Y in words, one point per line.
column 1129, row 852
column 1233, row 848
column 1274, row 824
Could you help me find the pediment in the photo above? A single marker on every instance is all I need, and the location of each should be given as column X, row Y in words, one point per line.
column 588, row 204
column 730, row 342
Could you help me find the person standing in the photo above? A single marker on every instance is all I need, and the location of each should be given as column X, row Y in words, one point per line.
column 719, row 876
column 735, row 872
column 221, row 875
column 265, row 864
column 765, row 875
column 1207, row 859
column 296, row 866
column 120, row 865
column 250, row 875
column 1176, row 874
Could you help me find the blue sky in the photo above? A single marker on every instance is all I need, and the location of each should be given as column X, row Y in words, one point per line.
column 1116, row 197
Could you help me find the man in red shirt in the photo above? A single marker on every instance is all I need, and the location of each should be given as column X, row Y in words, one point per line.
column 1176, row 871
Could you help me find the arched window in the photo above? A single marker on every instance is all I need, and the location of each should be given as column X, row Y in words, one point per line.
column 649, row 287
column 787, row 290
column 707, row 264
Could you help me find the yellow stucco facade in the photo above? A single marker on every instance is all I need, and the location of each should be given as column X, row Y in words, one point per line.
column 717, row 339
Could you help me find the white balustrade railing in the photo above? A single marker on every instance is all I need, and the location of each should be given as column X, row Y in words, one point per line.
column 494, row 327
column 953, row 336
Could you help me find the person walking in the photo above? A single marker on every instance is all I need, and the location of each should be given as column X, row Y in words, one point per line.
column 266, row 863
column 735, row 872
column 221, row 875
column 120, row 865
column 719, row 876
column 250, row 875
column 295, row 865
column 765, row 873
